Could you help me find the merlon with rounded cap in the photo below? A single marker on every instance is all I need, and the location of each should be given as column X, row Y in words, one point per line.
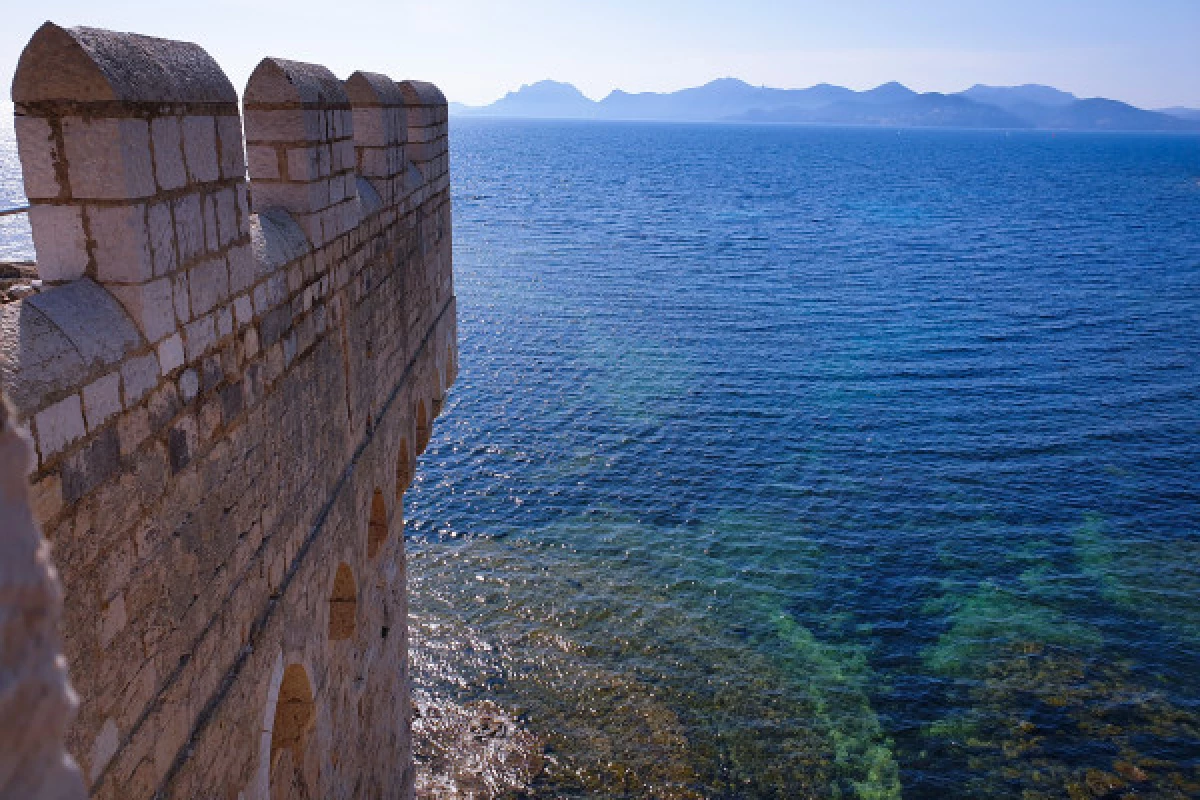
column 421, row 93
column 93, row 65
column 279, row 82
column 370, row 89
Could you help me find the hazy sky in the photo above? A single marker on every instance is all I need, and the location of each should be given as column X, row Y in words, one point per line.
column 1146, row 52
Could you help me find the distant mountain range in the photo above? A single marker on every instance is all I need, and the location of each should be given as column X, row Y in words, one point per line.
column 890, row 105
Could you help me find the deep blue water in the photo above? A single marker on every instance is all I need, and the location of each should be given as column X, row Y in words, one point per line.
column 790, row 462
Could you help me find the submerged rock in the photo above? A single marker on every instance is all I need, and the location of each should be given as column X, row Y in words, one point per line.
column 474, row 751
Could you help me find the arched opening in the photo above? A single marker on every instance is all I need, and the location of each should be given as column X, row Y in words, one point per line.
column 377, row 525
column 424, row 427
column 343, row 605
column 404, row 469
column 295, row 718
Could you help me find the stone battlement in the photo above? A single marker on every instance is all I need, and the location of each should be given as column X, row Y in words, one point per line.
column 234, row 358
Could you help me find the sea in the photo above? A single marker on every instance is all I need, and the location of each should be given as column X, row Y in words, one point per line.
column 793, row 462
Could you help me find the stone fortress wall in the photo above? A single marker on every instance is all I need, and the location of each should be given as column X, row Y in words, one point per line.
column 228, row 380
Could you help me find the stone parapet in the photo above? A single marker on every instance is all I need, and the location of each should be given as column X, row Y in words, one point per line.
column 228, row 382
column 36, row 703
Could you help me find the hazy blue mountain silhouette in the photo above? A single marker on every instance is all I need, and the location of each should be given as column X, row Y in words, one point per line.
column 544, row 99
column 892, row 104
column 1099, row 114
column 1012, row 98
column 886, row 94
column 716, row 100
column 1181, row 112
column 929, row 110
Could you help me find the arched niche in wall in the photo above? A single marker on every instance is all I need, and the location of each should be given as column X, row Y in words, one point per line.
column 291, row 733
column 405, row 468
column 424, row 426
column 343, row 605
column 377, row 525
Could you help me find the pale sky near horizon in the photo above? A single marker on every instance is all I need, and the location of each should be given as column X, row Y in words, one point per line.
column 1145, row 53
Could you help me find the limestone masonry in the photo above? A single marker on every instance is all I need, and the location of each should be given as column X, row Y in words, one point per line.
column 232, row 360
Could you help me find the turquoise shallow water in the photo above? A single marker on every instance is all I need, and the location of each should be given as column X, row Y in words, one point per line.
column 793, row 462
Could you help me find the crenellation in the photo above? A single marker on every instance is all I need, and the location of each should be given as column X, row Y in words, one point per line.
column 229, row 403
column 301, row 112
column 380, row 132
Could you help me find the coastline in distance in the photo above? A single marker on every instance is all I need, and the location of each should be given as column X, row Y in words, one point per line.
column 1031, row 107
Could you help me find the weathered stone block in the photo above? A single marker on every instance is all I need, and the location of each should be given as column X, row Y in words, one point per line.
column 108, row 159
column 60, row 242
column 373, row 162
column 199, row 336
column 102, row 400
column 290, row 125
column 420, row 116
column 212, row 372
column 161, row 231
column 139, row 375
column 169, row 168
column 39, row 153
column 122, row 251
column 343, row 155
column 189, row 227
column 250, row 343
column 209, row 284
column 262, row 303
column 170, row 353
column 231, row 402
column 58, row 425
column 212, row 239
column 189, row 385
column 181, row 297
column 264, row 163
column 224, row 321
column 233, row 149
column 274, row 324
column 228, row 230
column 243, row 270
column 200, row 148
column 299, row 198
column 337, row 189
column 303, row 163
column 244, row 310
column 370, row 129
column 181, row 443
column 91, row 465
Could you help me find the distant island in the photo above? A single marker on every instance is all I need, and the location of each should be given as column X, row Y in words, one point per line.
column 1029, row 107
